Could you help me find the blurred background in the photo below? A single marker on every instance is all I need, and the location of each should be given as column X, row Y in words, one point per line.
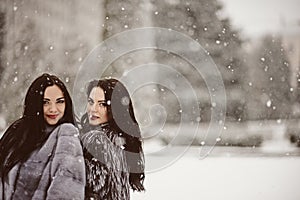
column 256, row 47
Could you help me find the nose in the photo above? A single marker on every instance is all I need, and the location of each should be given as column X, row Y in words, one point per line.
column 53, row 108
column 93, row 107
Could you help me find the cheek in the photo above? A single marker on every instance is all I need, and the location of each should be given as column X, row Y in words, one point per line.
column 62, row 108
column 88, row 108
column 104, row 112
column 45, row 109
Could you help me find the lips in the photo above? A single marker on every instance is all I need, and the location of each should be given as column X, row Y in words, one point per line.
column 52, row 116
column 93, row 117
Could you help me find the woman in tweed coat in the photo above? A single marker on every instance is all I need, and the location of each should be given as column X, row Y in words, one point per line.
column 112, row 142
column 41, row 155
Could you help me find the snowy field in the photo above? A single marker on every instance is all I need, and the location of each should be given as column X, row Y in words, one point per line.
column 233, row 173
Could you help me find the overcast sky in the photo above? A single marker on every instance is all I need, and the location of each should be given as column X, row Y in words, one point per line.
column 257, row 17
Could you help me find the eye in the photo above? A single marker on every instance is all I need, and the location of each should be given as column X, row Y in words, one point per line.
column 102, row 104
column 60, row 101
column 90, row 101
column 45, row 102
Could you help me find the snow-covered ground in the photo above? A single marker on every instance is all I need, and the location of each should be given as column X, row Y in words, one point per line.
column 233, row 173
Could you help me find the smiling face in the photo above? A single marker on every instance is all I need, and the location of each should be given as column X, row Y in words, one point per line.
column 53, row 104
column 97, row 107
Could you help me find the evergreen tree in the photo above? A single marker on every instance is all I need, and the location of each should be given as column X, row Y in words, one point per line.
column 270, row 92
column 2, row 33
column 201, row 20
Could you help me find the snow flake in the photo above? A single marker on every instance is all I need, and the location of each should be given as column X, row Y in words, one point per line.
column 15, row 8
column 263, row 59
column 202, row 143
column 218, row 139
column 125, row 26
column 218, row 41
column 205, row 28
column 269, row 103
column 291, row 89
column 122, row 8
column 125, row 101
column 16, row 79
column 51, row 47
column 250, row 83
column 108, row 102
column 67, row 79
column 156, row 13
column 266, row 68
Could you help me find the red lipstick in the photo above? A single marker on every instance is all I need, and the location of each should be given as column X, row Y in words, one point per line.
column 52, row 116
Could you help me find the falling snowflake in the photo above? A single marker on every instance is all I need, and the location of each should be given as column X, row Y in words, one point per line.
column 269, row 103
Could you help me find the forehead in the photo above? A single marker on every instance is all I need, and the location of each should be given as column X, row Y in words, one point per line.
column 97, row 93
column 53, row 91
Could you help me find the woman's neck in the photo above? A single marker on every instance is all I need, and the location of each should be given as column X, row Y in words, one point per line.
column 49, row 128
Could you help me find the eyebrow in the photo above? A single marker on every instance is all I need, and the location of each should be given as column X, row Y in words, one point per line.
column 90, row 98
column 60, row 98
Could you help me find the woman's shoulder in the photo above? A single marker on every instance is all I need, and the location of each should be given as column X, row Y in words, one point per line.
column 66, row 129
column 95, row 137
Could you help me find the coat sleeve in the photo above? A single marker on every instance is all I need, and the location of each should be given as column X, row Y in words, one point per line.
column 67, row 171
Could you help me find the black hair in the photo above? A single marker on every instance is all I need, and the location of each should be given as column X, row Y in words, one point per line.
column 121, row 119
column 28, row 133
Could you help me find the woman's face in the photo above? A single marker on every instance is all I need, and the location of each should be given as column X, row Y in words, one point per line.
column 97, row 107
column 54, row 104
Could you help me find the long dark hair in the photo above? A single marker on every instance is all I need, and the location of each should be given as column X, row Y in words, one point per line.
column 28, row 133
column 121, row 119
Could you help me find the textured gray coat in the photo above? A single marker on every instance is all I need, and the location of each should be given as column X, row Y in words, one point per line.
column 55, row 171
column 106, row 166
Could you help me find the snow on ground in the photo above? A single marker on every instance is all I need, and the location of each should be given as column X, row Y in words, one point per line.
column 228, row 173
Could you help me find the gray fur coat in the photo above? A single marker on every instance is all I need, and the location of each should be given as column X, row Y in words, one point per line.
column 55, row 171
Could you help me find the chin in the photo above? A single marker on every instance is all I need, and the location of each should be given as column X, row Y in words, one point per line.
column 94, row 123
column 52, row 123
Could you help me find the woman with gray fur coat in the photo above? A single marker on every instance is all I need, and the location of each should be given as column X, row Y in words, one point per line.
column 40, row 153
